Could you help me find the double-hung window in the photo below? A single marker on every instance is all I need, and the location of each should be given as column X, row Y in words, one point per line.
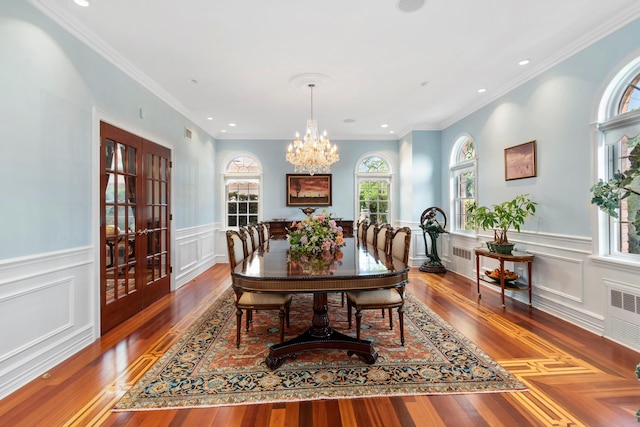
column 620, row 133
column 462, row 172
column 374, row 188
column 242, row 185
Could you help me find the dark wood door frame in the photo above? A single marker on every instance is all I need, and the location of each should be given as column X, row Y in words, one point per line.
column 135, row 239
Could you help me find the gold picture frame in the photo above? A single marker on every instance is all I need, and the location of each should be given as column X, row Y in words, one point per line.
column 308, row 190
column 520, row 161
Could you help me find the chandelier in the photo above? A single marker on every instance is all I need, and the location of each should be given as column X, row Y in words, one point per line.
column 313, row 153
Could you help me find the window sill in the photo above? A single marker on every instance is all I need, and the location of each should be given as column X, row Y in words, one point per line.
column 617, row 263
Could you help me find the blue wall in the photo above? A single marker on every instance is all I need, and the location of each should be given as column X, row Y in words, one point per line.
column 555, row 109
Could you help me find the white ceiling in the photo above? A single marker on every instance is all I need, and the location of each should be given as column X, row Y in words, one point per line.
column 411, row 71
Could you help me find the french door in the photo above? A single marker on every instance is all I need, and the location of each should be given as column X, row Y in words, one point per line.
column 134, row 226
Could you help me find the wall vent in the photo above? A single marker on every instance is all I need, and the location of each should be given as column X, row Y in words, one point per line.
column 624, row 317
column 625, row 301
column 187, row 133
column 461, row 252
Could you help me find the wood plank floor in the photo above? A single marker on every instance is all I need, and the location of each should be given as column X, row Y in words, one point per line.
column 575, row 378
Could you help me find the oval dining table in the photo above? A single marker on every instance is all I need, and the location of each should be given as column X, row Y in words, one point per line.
column 361, row 267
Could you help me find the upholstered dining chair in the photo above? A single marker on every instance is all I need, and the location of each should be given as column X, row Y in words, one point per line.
column 250, row 301
column 254, row 233
column 383, row 237
column 384, row 299
column 265, row 233
column 248, row 241
column 370, row 234
column 361, row 228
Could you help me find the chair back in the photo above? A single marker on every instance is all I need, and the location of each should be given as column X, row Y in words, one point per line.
column 383, row 237
column 264, row 229
column 361, row 228
column 236, row 248
column 400, row 244
column 246, row 235
column 254, row 233
column 370, row 234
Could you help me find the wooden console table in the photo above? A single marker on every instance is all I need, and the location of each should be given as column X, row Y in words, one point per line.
column 514, row 257
column 277, row 229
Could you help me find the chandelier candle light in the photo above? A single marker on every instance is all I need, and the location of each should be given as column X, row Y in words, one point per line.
column 313, row 153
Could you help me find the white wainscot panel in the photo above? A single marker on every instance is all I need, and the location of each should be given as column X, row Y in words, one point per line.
column 195, row 252
column 25, row 308
column 187, row 254
column 558, row 275
column 208, row 246
column 36, row 325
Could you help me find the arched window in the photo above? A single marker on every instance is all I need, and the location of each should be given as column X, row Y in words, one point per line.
column 462, row 172
column 242, row 185
column 374, row 189
column 619, row 131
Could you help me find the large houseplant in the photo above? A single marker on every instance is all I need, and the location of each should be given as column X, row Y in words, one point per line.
column 502, row 217
column 608, row 195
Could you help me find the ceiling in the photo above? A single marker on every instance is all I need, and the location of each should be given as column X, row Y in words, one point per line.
column 235, row 61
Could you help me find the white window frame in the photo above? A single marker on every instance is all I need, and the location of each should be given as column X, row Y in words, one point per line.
column 457, row 168
column 375, row 177
column 610, row 128
column 231, row 177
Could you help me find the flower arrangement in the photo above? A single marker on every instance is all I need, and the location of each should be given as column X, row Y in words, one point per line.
column 315, row 234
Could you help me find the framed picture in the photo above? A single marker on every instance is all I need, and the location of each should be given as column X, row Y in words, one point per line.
column 308, row 190
column 520, row 161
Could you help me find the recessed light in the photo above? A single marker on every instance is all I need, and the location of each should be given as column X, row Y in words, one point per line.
column 223, row 130
column 410, row 5
column 384, row 126
column 423, row 84
column 524, row 61
column 232, row 124
column 83, row 3
column 349, row 120
column 392, row 131
column 209, row 118
column 483, row 90
column 192, row 81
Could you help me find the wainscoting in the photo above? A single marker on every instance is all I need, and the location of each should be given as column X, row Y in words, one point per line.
column 568, row 281
column 49, row 303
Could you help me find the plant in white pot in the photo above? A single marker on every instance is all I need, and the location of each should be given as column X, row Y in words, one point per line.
column 501, row 218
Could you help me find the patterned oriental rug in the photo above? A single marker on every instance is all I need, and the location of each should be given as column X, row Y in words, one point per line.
column 204, row 368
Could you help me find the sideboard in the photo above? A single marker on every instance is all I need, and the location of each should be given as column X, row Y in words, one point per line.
column 278, row 229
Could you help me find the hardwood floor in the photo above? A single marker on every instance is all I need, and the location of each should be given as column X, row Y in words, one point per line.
column 575, row 378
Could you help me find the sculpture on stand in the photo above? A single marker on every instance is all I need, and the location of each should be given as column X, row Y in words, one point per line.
column 433, row 222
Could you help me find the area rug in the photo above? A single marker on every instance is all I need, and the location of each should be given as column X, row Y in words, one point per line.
column 204, row 368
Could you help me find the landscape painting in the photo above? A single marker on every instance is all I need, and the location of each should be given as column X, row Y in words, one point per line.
column 309, row 190
column 520, row 161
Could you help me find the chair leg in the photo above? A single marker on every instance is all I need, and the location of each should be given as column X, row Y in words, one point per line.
column 358, row 322
column 287, row 316
column 390, row 318
column 401, row 321
column 238, row 323
column 249, row 319
column 281, row 314
column 349, row 313
column 342, row 298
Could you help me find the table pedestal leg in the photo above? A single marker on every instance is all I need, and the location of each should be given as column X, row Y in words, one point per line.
column 320, row 335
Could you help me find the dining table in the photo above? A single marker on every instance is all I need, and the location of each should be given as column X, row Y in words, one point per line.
column 354, row 266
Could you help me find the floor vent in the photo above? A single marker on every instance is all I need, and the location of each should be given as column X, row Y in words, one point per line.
column 462, row 253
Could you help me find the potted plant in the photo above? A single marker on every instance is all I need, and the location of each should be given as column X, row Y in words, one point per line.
column 501, row 218
column 609, row 195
